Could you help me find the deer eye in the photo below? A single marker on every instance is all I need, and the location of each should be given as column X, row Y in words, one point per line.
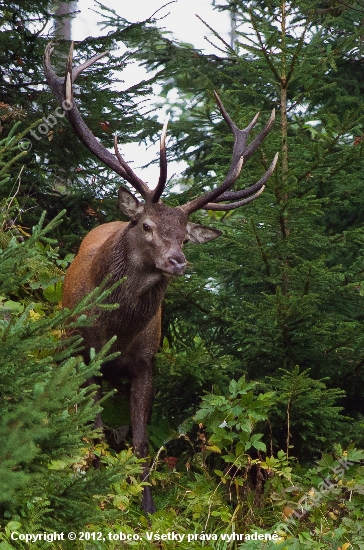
column 147, row 227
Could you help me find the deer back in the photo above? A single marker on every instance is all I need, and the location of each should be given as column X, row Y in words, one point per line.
column 80, row 277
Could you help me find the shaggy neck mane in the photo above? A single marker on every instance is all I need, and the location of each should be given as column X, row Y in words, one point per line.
column 139, row 296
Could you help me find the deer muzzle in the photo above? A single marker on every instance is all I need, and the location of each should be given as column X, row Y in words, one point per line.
column 172, row 263
column 177, row 266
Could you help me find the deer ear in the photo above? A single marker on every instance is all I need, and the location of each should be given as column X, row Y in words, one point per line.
column 200, row 234
column 128, row 204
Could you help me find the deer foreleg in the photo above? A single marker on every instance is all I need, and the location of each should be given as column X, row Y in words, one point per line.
column 140, row 404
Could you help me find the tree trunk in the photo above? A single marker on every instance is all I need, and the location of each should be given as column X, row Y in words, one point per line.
column 63, row 19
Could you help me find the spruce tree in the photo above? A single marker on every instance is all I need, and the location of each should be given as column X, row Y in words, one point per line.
column 283, row 287
column 47, row 409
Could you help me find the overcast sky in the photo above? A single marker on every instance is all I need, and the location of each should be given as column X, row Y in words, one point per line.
column 181, row 20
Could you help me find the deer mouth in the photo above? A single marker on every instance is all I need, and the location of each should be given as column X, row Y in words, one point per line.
column 177, row 267
column 173, row 266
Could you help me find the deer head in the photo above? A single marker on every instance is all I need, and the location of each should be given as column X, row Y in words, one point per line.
column 160, row 231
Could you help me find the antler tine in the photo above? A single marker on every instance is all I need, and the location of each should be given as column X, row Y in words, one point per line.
column 233, row 127
column 62, row 89
column 162, row 163
column 254, row 190
column 241, row 152
column 253, row 146
column 233, row 205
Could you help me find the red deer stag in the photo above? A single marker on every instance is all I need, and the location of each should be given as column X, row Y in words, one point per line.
column 147, row 251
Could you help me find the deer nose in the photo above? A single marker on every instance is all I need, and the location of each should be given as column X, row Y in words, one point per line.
column 178, row 264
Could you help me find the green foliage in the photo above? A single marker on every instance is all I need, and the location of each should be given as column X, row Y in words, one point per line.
column 307, row 410
column 233, row 420
column 46, row 410
column 333, row 490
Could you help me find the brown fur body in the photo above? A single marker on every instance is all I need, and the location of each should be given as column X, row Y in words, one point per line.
column 104, row 252
column 146, row 252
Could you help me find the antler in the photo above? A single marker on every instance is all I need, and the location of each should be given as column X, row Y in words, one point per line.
column 163, row 164
column 241, row 153
column 63, row 90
